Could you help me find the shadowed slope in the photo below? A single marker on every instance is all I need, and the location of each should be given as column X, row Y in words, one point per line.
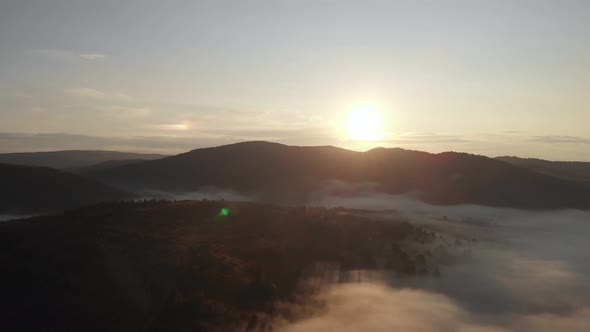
column 103, row 166
column 41, row 189
column 568, row 170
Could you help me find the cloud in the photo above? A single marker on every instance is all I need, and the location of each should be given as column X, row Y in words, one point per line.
column 560, row 139
column 89, row 93
column 241, row 114
column 301, row 135
column 91, row 56
column 18, row 142
column 180, row 126
column 124, row 111
column 62, row 55
column 429, row 138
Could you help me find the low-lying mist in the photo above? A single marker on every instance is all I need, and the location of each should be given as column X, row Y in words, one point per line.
column 501, row 270
column 375, row 307
column 8, row 217
column 210, row 193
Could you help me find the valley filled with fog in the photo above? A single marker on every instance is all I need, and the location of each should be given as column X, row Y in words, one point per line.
column 497, row 269
column 500, row 270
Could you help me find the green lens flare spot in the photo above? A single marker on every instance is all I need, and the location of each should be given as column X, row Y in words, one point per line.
column 224, row 212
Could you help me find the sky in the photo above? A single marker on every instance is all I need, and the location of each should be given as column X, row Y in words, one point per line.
column 485, row 77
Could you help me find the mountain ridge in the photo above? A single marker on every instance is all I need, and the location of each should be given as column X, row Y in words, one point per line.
column 65, row 159
column 569, row 170
column 277, row 172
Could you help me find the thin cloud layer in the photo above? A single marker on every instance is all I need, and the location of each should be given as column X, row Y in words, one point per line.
column 90, row 93
column 92, row 56
column 561, row 139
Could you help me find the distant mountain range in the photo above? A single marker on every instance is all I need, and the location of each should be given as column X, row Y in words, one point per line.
column 26, row 189
column 568, row 170
column 280, row 173
column 71, row 158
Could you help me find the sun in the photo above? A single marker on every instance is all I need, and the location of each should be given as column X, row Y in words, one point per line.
column 363, row 123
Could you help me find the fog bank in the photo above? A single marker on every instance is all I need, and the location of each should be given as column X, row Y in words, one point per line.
column 376, row 307
column 506, row 270
column 209, row 193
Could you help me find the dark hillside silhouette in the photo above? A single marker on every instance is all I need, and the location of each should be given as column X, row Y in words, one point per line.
column 181, row 266
column 41, row 189
column 277, row 172
column 103, row 166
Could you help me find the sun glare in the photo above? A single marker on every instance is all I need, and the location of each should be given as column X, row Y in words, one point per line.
column 363, row 123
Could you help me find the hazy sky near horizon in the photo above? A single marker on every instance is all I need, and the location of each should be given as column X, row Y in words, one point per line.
column 487, row 77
